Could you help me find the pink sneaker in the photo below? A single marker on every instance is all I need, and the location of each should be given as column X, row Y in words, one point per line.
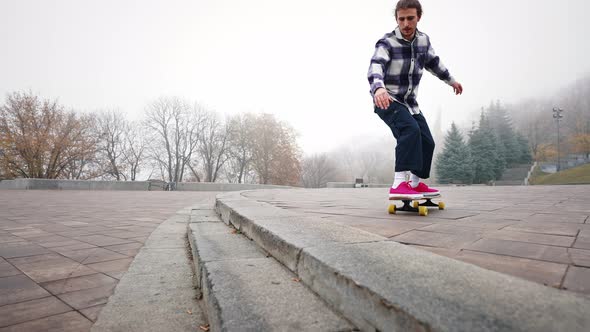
column 425, row 190
column 404, row 190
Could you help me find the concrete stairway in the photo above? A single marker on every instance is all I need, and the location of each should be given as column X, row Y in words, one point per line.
column 514, row 175
column 244, row 289
column 362, row 278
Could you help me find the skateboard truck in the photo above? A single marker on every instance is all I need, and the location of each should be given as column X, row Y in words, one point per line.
column 413, row 205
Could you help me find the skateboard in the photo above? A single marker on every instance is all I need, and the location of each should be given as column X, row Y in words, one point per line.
column 414, row 205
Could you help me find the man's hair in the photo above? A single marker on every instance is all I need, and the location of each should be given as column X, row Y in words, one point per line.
column 406, row 4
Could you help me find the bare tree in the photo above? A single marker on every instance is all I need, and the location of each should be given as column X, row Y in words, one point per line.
column 318, row 170
column 213, row 144
column 111, row 129
column 240, row 148
column 133, row 155
column 174, row 127
column 39, row 138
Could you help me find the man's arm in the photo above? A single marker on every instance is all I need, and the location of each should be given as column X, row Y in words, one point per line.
column 436, row 68
column 376, row 74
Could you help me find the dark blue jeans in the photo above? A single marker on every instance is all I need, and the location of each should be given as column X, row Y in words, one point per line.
column 415, row 144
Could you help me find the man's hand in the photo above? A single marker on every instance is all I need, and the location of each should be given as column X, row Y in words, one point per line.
column 382, row 98
column 457, row 88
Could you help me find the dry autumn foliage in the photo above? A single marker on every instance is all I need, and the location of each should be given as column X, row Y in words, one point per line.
column 276, row 156
column 40, row 139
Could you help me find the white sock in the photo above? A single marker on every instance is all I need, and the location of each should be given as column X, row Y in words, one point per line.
column 398, row 178
column 414, row 180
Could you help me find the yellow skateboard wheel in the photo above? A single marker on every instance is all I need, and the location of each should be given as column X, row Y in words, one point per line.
column 441, row 205
column 423, row 210
column 391, row 209
column 416, row 204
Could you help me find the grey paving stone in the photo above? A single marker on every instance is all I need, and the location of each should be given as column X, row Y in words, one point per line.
column 7, row 238
column 447, row 252
column 6, row 269
column 72, row 247
column 49, row 267
column 85, row 298
column 128, row 249
column 522, row 249
column 78, row 283
column 19, row 288
column 558, row 217
column 121, row 234
column 577, row 279
column 580, row 257
column 566, row 229
column 68, row 322
column 582, row 242
column 30, row 310
column 453, row 229
column 552, row 240
column 102, row 240
column 444, row 240
column 118, row 265
column 19, row 249
column 92, row 312
column 92, row 255
column 546, row 273
column 30, row 233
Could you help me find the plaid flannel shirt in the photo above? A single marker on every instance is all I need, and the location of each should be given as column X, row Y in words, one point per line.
column 397, row 66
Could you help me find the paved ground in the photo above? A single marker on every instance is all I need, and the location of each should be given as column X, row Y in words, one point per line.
column 540, row 233
column 63, row 252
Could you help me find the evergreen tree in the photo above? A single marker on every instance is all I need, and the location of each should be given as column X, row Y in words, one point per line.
column 454, row 163
column 525, row 150
column 487, row 161
column 501, row 123
column 500, row 163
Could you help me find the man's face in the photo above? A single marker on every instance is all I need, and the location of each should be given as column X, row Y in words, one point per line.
column 407, row 19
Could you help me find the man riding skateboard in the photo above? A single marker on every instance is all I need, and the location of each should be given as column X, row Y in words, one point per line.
column 394, row 74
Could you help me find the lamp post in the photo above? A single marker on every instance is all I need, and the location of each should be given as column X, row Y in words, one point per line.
column 557, row 116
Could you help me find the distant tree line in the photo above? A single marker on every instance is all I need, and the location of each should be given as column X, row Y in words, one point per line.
column 534, row 117
column 495, row 145
column 490, row 148
column 175, row 141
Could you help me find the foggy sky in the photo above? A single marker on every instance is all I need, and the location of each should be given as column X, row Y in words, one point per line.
column 304, row 61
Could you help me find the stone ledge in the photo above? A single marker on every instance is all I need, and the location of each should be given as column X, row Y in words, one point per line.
column 52, row 184
column 382, row 285
column 245, row 290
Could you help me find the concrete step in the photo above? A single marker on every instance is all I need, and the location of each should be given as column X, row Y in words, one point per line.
column 509, row 182
column 515, row 173
column 381, row 285
column 245, row 289
column 156, row 293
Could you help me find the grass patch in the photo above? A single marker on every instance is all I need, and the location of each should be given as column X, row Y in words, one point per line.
column 576, row 175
